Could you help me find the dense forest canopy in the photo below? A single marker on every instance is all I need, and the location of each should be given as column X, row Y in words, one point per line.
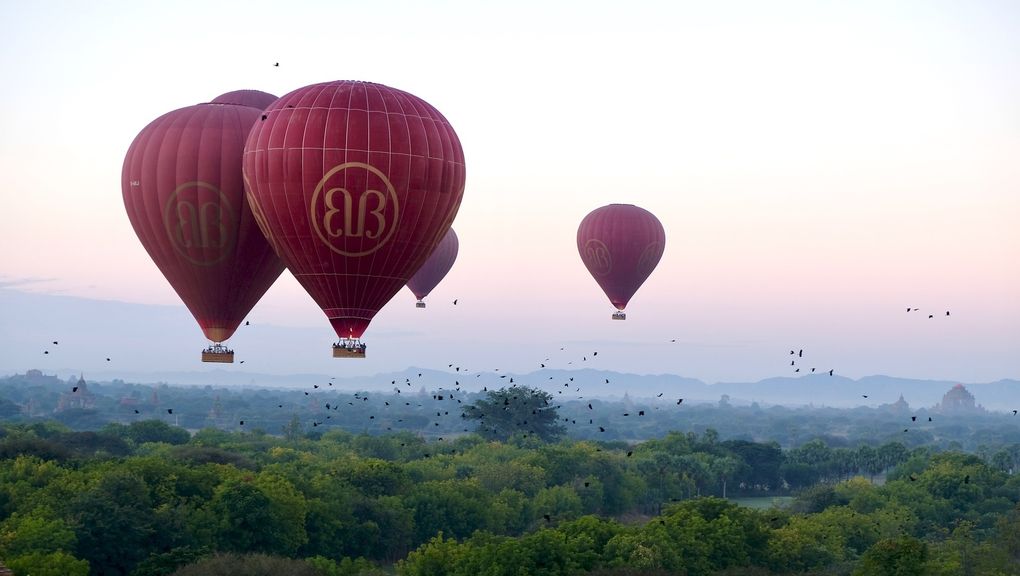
column 352, row 483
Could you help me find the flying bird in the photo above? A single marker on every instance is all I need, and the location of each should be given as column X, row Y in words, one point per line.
column 455, row 301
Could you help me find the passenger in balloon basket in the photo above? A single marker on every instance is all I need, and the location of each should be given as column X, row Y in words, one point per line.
column 349, row 348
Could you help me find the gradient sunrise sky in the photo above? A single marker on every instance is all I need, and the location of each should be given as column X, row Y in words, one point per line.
column 818, row 166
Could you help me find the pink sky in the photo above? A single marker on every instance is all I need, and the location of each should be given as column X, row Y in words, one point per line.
column 817, row 169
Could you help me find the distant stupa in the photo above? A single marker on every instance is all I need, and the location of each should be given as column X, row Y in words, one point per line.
column 900, row 406
column 959, row 401
column 79, row 397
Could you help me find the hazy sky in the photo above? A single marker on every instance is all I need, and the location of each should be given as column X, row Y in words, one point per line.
column 818, row 167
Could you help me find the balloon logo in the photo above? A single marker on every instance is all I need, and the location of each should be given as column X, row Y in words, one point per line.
column 354, row 184
column 620, row 245
column 355, row 210
column 596, row 257
column 200, row 223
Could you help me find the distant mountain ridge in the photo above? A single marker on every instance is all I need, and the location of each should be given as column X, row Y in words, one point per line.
column 814, row 389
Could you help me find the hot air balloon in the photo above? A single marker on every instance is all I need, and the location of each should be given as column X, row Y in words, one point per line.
column 620, row 244
column 354, row 184
column 252, row 98
column 435, row 268
column 184, row 194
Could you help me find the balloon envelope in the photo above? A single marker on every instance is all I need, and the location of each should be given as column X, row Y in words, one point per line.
column 436, row 267
column 251, row 98
column 620, row 244
column 354, row 184
column 184, row 194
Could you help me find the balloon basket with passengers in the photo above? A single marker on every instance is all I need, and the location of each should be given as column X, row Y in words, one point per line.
column 349, row 348
column 218, row 353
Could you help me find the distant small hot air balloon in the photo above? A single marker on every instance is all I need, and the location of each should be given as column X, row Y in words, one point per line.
column 184, row 195
column 354, row 184
column 435, row 268
column 251, row 98
column 620, row 244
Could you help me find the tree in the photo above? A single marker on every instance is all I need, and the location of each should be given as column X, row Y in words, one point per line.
column 248, row 565
column 157, row 431
column 904, row 556
column 114, row 523
column 246, row 523
column 49, row 564
column 518, row 410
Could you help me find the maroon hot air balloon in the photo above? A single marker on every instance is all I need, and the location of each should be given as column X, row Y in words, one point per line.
column 252, row 98
column 620, row 244
column 184, row 194
column 435, row 268
column 354, row 184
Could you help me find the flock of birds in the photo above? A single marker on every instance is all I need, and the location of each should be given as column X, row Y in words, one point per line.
column 451, row 394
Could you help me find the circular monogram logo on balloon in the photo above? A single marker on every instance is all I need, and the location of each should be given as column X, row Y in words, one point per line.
column 649, row 258
column 200, row 222
column 354, row 209
column 597, row 257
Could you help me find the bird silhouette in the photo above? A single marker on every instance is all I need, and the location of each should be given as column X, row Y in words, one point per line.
column 455, row 301
column 277, row 65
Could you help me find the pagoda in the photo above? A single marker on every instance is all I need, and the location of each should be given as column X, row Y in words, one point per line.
column 959, row 401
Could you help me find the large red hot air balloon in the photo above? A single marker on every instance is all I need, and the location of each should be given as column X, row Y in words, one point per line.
column 620, row 244
column 184, row 194
column 354, row 184
column 435, row 268
column 252, row 98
